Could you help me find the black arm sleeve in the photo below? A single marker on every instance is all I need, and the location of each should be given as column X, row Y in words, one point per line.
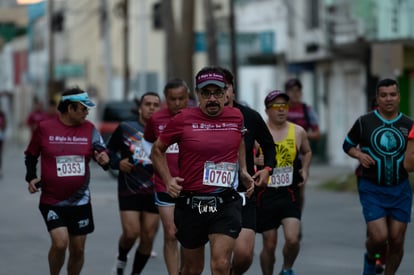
column 115, row 147
column 265, row 139
column 31, row 163
column 257, row 130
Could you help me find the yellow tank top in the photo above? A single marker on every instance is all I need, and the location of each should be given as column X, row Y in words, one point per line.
column 286, row 149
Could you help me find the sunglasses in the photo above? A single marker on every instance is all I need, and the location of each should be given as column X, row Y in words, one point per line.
column 206, row 94
column 278, row 106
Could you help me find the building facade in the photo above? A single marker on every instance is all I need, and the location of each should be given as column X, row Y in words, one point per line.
column 338, row 48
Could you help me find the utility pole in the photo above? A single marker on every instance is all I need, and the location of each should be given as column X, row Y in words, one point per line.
column 51, row 53
column 144, row 52
column 106, row 30
column 126, row 48
column 211, row 32
column 233, row 48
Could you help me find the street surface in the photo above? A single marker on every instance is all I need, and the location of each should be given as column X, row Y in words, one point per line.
column 333, row 228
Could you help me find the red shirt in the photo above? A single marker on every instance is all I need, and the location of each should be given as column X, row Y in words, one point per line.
column 156, row 125
column 202, row 138
column 34, row 119
column 297, row 115
column 65, row 153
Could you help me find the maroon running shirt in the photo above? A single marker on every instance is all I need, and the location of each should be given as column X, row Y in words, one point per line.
column 155, row 125
column 204, row 140
column 65, row 152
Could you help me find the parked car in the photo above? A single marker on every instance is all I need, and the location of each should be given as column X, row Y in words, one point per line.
column 113, row 113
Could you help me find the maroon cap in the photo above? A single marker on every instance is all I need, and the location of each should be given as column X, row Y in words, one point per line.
column 273, row 95
column 208, row 78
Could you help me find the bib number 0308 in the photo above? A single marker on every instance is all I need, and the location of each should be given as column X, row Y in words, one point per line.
column 282, row 176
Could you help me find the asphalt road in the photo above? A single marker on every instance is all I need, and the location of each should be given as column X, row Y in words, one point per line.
column 333, row 241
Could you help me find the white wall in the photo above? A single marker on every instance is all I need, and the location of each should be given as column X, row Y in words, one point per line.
column 255, row 82
column 346, row 102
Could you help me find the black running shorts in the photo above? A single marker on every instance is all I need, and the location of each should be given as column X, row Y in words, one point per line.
column 138, row 202
column 78, row 219
column 274, row 205
column 196, row 219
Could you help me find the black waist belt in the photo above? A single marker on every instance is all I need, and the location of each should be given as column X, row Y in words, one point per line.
column 194, row 200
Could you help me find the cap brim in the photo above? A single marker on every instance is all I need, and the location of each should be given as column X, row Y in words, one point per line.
column 87, row 103
column 273, row 97
column 211, row 82
column 283, row 95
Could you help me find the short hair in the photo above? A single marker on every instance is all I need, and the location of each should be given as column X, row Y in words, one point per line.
column 228, row 76
column 175, row 83
column 293, row 82
column 386, row 82
column 63, row 106
column 139, row 101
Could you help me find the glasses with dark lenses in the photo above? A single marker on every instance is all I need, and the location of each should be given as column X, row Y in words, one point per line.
column 279, row 106
column 206, row 94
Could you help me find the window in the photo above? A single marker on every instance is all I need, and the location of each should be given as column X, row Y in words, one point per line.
column 313, row 14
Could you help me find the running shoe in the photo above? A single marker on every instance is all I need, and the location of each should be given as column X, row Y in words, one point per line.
column 379, row 266
column 369, row 266
column 119, row 268
column 380, row 259
column 287, row 272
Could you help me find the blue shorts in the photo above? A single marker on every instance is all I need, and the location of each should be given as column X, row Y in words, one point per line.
column 382, row 201
column 163, row 199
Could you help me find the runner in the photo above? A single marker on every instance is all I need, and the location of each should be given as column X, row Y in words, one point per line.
column 176, row 94
column 65, row 145
column 256, row 130
column 278, row 204
column 378, row 140
column 210, row 144
column 139, row 215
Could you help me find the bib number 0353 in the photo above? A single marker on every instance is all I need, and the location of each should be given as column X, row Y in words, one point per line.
column 67, row 166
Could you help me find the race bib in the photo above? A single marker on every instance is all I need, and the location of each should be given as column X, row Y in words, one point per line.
column 68, row 166
column 221, row 174
column 138, row 154
column 282, row 176
column 172, row 149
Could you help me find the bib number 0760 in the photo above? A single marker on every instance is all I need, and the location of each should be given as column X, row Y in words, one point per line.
column 221, row 174
column 217, row 176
